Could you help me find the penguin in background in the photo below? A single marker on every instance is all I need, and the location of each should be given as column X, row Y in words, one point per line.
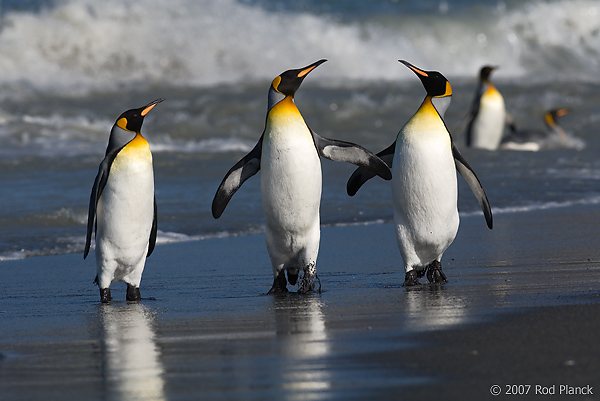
column 122, row 209
column 288, row 156
column 487, row 117
column 424, row 161
column 552, row 137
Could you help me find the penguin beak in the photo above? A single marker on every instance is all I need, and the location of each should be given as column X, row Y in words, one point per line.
column 304, row 71
column 435, row 83
column 561, row 112
column 150, row 106
column 415, row 69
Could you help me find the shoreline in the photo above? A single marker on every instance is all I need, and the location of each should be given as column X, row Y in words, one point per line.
column 520, row 307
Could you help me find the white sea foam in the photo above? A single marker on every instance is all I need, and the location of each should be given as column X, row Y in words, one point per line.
column 79, row 45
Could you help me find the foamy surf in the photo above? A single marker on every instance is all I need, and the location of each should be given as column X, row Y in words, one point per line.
column 75, row 46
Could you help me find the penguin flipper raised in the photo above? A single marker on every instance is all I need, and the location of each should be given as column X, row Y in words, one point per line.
column 362, row 175
column 469, row 175
column 99, row 184
column 341, row 151
column 235, row 177
column 153, row 231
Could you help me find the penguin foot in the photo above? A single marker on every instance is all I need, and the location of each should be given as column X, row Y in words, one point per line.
column 292, row 276
column 411, row 279
column 308, row 280
column 133, row 293
column 279, row 284
column 435, row 273
column 105, row 295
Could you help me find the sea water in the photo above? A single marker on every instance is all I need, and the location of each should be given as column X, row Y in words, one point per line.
column 69, row 68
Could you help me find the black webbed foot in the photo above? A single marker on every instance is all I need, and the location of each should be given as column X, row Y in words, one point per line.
column 279, row 284
column 105, row 295
column 411, row 279
column 133, row 293
column 435, row 273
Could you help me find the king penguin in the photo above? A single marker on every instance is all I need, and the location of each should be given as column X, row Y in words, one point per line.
column 424, row 161
column 123, row 206
column 552, row 137
column 488, row 116
column 287, row 154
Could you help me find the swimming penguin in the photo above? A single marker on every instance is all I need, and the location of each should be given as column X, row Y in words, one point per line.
column 424, row 161
column 488, row 116
column 123, row 206
column 288, row 153
column 552, row 137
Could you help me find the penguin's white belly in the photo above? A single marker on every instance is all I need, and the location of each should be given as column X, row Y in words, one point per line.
column 425, row 193
column 124, row 215
column 291, row 193
column 488, row 126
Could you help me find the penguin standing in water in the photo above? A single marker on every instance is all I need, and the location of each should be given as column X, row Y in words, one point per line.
column 123, row 206
column 488, row 116
column 424, row 161
column 287, row 154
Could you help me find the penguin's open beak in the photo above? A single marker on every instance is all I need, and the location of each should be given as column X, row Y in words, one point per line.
column 150, row 106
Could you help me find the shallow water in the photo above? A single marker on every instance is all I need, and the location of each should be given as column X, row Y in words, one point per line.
column 204, row 327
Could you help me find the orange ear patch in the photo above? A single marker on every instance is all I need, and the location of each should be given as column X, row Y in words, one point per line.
column 448, row 89
column 276, row 83
column 122, row 123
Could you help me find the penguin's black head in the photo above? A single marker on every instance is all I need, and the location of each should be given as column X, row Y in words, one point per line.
column 435, row 83
column 288, row 82
column 131, row 120
column 485, row 72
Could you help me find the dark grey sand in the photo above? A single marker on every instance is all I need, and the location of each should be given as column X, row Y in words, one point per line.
column 522, row 307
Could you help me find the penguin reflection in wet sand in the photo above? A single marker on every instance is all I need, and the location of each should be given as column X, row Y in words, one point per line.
column 488, row 116
column 123, row 207
column 424, row 161
column 287, row 154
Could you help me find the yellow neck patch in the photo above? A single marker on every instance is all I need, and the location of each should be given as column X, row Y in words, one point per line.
column 139, row 143
column 284, row 113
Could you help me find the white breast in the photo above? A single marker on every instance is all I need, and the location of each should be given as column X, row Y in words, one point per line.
column 290, row 177
column 488, row 126
column 424, row 187
column 126, row 208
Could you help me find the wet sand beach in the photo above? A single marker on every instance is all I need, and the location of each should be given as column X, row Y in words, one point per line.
column 521, row 307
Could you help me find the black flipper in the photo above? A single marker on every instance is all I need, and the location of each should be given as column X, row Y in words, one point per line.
column 235, row 177
column 154, row 231
column 362, row 175
column 99, row 184
column 349, row 152
column 481, row 88
column 469, row 175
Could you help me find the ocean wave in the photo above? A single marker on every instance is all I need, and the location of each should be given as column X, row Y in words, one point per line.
column 80, row 45
column 538, row 206
column 210, row 145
